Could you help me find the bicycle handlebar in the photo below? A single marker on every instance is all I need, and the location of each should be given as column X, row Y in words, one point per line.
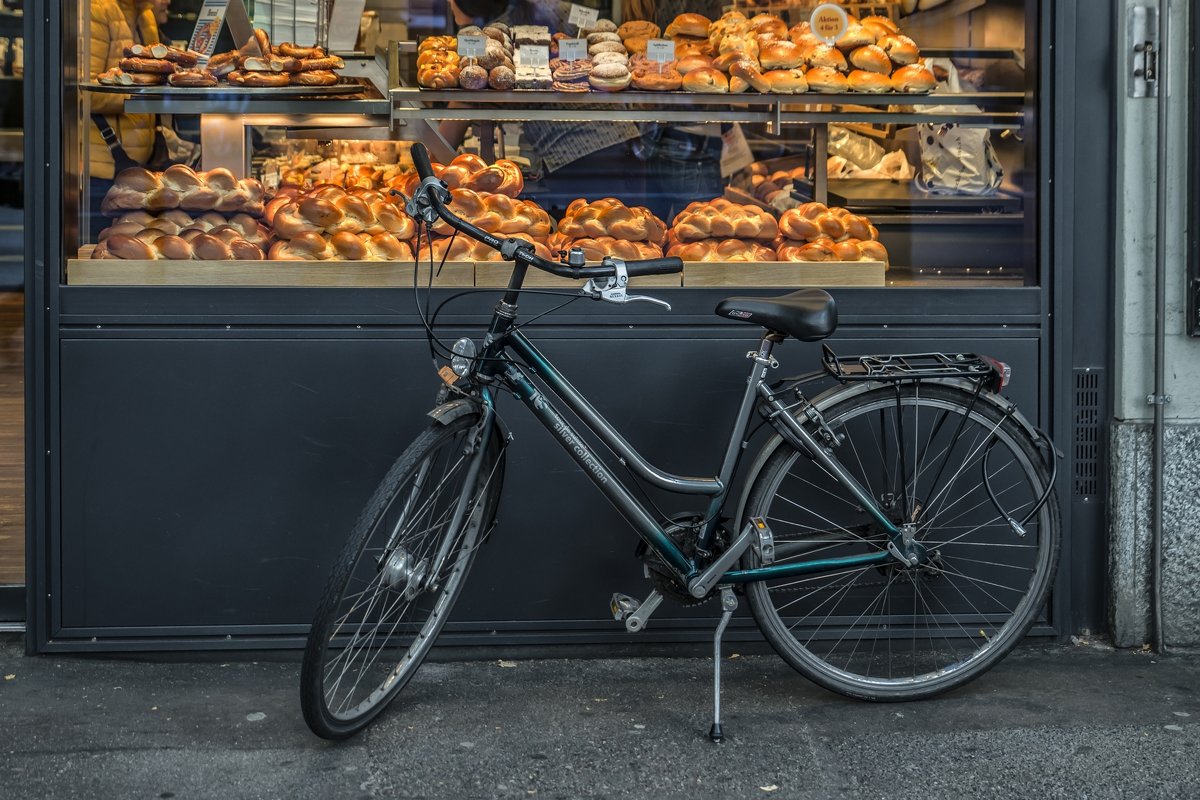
column 519, row 249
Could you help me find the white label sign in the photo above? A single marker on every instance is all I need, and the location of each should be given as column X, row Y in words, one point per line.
column 829, row 21
column 208, row 27
column 572, row 49
column 660, row 50
column 472, row 46
column 534, row 55
column 735, row 152
column 582, row 16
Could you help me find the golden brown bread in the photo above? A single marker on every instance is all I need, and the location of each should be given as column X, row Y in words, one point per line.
column 611, row 217
column 735, row 250
column 722, row 219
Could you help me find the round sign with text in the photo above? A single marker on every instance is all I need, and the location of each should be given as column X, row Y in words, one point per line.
column 829, row 21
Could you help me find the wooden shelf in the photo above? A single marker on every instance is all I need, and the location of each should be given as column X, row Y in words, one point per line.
column 785, row 274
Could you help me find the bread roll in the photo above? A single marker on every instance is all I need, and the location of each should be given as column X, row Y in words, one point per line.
column 652, row 79
column 685, row 65
column 868, row 82
column 689, row 25
column 871, row 58
column 827, row 56
column 782, row 54
column 854, row 37
column 706, row 80
column 786, row 81
column 761, row 24
column 638, row 29
column 900, row 49
column 826, row 80
column 913, row 79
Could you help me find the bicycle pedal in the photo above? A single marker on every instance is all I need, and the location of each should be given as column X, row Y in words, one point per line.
column 632, row 612
column 622, row 605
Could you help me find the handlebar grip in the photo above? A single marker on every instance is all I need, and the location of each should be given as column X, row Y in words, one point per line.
column 654, row 266
column 420, row 157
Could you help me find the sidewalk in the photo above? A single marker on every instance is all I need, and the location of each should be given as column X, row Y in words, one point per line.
column 1050, row 722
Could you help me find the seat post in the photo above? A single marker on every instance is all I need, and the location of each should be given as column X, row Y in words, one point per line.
column 765, row 346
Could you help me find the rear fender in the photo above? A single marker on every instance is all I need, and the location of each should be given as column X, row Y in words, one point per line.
column 839, row 393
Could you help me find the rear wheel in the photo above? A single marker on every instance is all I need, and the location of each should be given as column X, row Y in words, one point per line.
column 393, row 586
column 895, row 632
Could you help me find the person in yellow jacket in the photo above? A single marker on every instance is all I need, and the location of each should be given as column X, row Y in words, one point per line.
column 115, row 25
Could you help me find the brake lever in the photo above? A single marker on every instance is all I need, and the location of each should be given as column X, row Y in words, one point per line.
column 614, row 288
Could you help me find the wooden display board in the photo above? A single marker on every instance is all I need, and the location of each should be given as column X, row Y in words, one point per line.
column 106, row 272
column 784, row 274
column 490, row 274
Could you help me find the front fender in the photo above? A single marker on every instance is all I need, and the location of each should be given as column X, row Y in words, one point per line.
column 840, row 392
column 452, row 410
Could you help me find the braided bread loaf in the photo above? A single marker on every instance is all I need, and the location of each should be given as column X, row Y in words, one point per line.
column 596, row 248
column 331, row 209
column 182, row 187
column 222, row 243
column 721, row 250
column 463, row 248
column 147, row 227
column 722, row 219
column 811, row 221
column 497, row 213
column 469, row 171
column 343, row 245
column 610, row 217
column 826, row 249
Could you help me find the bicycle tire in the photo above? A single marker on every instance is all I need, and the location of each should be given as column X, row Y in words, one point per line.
column 807, row 619
column 401, row 568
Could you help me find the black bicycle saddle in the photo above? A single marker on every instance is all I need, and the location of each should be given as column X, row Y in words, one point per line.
column 808, row 315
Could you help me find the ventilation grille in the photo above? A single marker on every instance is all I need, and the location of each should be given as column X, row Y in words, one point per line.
column 1086, row 433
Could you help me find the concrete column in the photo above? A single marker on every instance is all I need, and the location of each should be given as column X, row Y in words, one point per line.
column 1133, row 373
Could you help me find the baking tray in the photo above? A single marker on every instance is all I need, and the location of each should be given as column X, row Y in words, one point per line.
column 232, row 92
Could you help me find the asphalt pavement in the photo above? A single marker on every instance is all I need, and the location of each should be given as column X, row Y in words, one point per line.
column 1081, row 721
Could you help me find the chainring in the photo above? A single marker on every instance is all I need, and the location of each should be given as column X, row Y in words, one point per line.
column 683, row 531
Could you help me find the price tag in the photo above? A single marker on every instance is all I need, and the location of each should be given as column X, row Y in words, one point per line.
column 735, row 152
column 472, row 46
column 270, row 178
column 660, row 50
column 534, row 55
column 829, row 22
column 582, row 16
column 208, row 27
column 572, row 49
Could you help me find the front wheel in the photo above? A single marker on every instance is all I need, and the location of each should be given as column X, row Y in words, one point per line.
column 393, row 586
column 934, row 460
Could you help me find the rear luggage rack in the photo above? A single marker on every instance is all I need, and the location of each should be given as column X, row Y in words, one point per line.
column 913, row 367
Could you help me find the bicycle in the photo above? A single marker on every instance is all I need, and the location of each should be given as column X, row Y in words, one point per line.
column 869, row 563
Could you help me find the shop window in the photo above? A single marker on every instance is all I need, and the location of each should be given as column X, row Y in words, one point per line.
column 902, row 155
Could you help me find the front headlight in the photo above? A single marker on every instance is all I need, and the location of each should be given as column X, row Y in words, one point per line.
column 463, row 358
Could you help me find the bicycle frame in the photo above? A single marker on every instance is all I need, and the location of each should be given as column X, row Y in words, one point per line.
column 495, row 363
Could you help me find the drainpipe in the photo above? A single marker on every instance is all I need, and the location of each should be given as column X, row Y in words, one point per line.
column 1159, row 399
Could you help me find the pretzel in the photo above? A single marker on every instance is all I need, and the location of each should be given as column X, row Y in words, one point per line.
column 296, row 51
column 611, row 217
column 721, row 219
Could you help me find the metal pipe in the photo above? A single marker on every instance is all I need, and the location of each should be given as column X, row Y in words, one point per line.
column 1160, row 328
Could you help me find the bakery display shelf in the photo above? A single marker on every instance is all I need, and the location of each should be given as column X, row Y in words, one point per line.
column 224, row 90
column 539, row 97
column 242, row 105
column 785, row 274
column 85, row 271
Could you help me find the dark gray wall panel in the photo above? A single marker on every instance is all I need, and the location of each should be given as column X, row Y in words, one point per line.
column 207, row 483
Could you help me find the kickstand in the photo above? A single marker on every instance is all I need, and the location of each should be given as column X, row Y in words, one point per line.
column 729, row 604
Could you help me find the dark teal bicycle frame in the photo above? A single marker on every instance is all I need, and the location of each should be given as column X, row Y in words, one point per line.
column 495, row 364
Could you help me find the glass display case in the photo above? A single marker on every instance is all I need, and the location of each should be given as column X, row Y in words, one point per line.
column 897, row 146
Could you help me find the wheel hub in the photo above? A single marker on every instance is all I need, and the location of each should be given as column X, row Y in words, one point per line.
column 402, row 574
column 906, row 549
